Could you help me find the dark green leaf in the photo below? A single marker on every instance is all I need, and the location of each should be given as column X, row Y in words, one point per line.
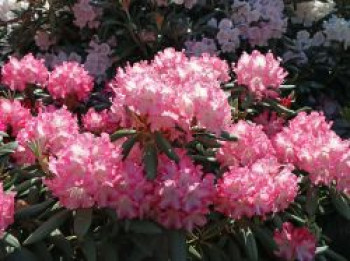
column 311, row 201
column 333, row 256
column 33, row 210
column 41, row 250
column 144, row 227
column 8, row 148
column 177, row 245
column 250, row 245
column 82, row 221
column 109, row 252
column 88, row 248
column 11, row 240
column 233, row 251
column 121, row 134
column 150, row 160
column 128, row 145
column 265, row 237
column 341, row 204
column 47, row 227
column 164, row 145
column 22, row 254
column 62, row 244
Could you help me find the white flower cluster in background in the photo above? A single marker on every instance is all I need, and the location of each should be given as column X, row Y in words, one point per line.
column 256, row 21
column 337, row 29
column 196, row 48
column 9, row 7
column 307, row 13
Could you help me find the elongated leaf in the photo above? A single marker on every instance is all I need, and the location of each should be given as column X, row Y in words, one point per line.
column 234, row 251
column 41, row 250
column 334, row 256
column 311, row 201
column 164, row 145
column 121, row 134
column 109, row 252
column 250, row 245
column 144, row 227
column 341, row 204
column 47, row 227
column 8, row 148
column 62, row 244
column 82, row 221
column 11, row 240
column 33, row 210
column 228, row 137
column 265, row 237
column 150, row 160
column 22, row 254
column 89, row 249
column 127, row 146
column 177, row 245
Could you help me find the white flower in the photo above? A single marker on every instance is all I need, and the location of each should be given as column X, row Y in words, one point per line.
column 7, row 8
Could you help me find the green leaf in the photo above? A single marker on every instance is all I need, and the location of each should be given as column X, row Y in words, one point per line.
column 234, row 251
column 228, row 136
column 62, row 244
column 22, row 254
column 27, row 184
column 82, row 221
column 265, row 237
column 334, row 256
column 144, row 227
column 341, row 204
column 177, row 245
column 11, row 240
column 150, row 160
column 47, row 227
column 128, row 145
column 194, row 252
column 164, row 145
column 41, row 250
column 121, row 134
column 8, row 148
column 311, row 201
column 33, row 210
column 250, row 245
column 109, row 252
column 88, row 248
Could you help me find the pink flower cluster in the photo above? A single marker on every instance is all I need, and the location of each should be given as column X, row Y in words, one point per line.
column 98, row 122
column 252, row 145
column 70, row 79
column 17, row 74
column 13, row 116
column 173, row 91
column 264, row 187
column 182, row 193
column 49, row 131
column 295, row 243
column 310, row 144
column 261, row 73
column 89, row 172
column 7, row 206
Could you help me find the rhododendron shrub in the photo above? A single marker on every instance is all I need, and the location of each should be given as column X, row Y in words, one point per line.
column 174, row 130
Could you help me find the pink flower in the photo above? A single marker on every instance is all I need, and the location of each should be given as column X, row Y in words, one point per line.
column 17, row 74
column 173, row 91
column 97, row 122
column 7, row 206
column 295, row 243
column 49, row 131
column 271, row 122
column 89, row 172
column 262, row 74
column 70, row 79
column 310, row 144
column 263, row 188
column 43, row 40
column 182, row 193
column 252, row 144
column 13, row 116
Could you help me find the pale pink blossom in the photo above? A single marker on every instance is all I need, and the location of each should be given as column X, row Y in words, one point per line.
column 264, row 187
column 70, row 80
column 182, row 193
column 48, row 132
column 18, row 74
column 295, row 243
column 97, row 122
column 310, row 144
column 260, row 73
column 252, row 144
column 13, row 115
column 271, row 122
column 173, row 91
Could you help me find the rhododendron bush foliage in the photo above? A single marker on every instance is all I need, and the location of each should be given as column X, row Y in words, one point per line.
column 172, row 141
